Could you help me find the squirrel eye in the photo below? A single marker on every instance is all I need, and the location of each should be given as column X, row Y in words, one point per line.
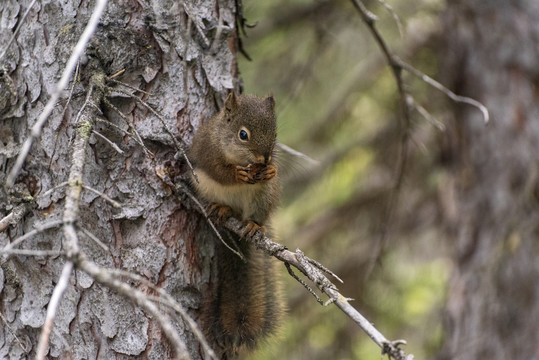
column 243, row 134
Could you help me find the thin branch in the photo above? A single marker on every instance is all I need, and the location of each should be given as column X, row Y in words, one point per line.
column 4, row 320
column 212, row 225
column 167, row 300
column 37, row 230
column 104, row 121
column 134, row 131
column 60, row 86
column 54, row 303
column 30, row 252
column 14, row 216
column 104, row 196
column 16, row 32
column 389, row 8
column 139, row 298
column 369, row 19
column 297, row 154
column 178, row 145
column 308, row 267
column 112, row 144
column 93, row 237
column 446, row 91
column 187, row 7
column 56, row 136
column 423, row 112
column 128, row 86
column 50, row 191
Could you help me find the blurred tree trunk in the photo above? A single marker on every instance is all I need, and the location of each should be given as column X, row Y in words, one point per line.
column 187, row 72
column 492, row 309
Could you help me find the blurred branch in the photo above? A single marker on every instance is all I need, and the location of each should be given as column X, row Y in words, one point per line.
column 397, row 65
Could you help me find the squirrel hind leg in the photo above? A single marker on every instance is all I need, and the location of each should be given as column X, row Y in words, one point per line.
column 220, row 212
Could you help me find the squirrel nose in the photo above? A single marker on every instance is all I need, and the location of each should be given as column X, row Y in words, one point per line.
column 260, row 159
column 267, row 158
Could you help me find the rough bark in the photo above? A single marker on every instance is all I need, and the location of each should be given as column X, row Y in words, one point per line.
column 492, row 307
column 151, row 235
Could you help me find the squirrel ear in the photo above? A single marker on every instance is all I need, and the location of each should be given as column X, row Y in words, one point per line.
column 270, row 102
column 231, row 102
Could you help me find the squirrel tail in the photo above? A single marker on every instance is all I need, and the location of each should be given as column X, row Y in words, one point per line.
column 245, row 305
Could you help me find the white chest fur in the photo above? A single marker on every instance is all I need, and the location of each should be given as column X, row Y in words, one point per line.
column 241, row 198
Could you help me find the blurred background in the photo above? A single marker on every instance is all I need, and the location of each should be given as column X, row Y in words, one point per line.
column 338, row 103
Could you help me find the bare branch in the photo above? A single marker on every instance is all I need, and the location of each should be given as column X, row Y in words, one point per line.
column 129, row 122
column 48, row 192
column 313, row 270
column 139, row 298
column 60, row 86
column 212, row 225
column 112, row 144
column 128, row 86
column 37, row 230
column 446, row 91
column 4, row 320
column 189, row 11
column 14, row 216
column 16, row 32
column 389, row 8
column 104, row 196
column 54, row 303
column 369, row 19
column 421, row 110
column 177, row 143
column 32, row 252
column 167, row 300
column 296, row 153
column 93, row 237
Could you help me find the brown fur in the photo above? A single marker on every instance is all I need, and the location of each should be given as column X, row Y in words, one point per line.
column 245, row 305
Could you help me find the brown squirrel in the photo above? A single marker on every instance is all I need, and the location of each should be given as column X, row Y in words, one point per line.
column 232, row 154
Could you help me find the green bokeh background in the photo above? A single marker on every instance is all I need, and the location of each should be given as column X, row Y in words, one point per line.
column 337, row 102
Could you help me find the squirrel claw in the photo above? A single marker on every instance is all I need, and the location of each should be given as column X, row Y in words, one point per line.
column 254, row 173
column 243, row 175
column 269, row 172
column 251, row 228
column 221, row 212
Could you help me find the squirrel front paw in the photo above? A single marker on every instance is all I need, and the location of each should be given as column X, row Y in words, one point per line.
column 254, row 173
column 251, row 228
column 244, row 175
column 220, row 212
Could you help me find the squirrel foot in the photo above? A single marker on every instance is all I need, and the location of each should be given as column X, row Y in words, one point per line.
column 251, row 228
column 254, row 173
column 220, row 212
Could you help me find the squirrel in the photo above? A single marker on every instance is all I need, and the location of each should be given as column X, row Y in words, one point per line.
column 233, row 156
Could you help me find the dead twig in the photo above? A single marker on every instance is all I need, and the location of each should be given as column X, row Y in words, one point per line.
column 312, row 269
column 137, row 297
column 54, row 303
column 60, row 86
column 16, row 32
column 167, row 300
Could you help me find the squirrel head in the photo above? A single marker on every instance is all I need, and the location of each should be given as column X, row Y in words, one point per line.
column 248, row 129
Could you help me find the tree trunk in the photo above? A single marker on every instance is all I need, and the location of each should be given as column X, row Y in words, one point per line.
column 186, row 58
column 492, row 308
